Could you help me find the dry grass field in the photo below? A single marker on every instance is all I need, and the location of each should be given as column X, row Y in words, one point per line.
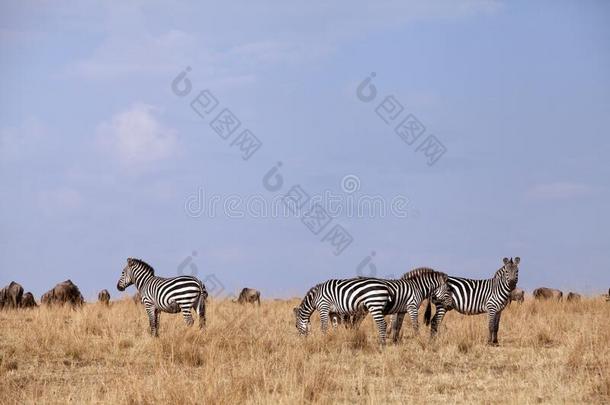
column 549, row 352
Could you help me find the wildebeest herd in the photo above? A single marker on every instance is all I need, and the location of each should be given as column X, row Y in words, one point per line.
column 338, row 301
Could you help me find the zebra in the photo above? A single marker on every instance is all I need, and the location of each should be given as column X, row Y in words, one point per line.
column 377, row 296
column 427, row 280
column 160, row 294
column 473, row 297
column 349, row 320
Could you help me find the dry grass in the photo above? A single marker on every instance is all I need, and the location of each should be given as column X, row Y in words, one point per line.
column 550, row 352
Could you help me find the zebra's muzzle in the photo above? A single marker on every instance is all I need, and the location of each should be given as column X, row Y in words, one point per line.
column 120, row 287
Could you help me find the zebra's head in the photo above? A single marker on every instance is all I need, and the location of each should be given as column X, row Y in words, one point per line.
column 301, row 321
column 442, row 292
column 126, row 276
column 431, row 284
column 510, row 271
column 302, row 313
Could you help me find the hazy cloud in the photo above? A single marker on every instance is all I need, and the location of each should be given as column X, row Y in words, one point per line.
column 559, row 191
column 137, row 138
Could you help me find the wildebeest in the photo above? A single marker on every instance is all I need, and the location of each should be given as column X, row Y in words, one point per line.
column 574, row 297
column 249, row 295
column 104, row 297
column 28, row 301
column 65, row 292
column 47, row 298
column 517, row 295
column 11, row 295
column 544, row 293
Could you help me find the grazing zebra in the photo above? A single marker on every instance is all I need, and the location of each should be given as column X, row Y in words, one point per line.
column 164, row 294
column 472, row 297
column 379, row 297
column 349, row 320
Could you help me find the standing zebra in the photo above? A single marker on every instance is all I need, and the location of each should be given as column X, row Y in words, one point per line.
column 379, row 297
column 473, row 297
column 170, row 295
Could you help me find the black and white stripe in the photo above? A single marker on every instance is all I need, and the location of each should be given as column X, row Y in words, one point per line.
column 378, row 297
column 472, row 297
column 173, row 295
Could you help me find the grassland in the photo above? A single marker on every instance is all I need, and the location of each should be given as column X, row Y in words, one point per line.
column 549, row 352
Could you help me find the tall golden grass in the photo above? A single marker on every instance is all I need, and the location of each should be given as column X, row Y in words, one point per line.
column 549, row 352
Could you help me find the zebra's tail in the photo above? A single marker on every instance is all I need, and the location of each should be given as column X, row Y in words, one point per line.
column 200, row 306
column 428, row 313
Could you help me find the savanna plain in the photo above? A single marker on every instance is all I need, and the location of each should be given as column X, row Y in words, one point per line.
column 550, row 352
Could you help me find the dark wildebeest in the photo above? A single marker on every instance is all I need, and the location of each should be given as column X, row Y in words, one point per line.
column 517, row 295
column 249, row 295
column 11, row 295
column 47, row 298
column 104, row 297
column 574, row 297
column 28, row 301
column 65, row 292
column 544, row 293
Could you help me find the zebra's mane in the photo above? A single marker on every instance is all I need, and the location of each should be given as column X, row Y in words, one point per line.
column 139, row 262
column 422, row 271
column 309, row 294
column 500, row 272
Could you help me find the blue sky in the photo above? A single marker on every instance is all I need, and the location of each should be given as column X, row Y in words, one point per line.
column 99, row 158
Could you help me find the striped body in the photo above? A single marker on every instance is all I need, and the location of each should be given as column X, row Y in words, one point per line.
column 472, row 297
column 378, row 297
column 172, row 295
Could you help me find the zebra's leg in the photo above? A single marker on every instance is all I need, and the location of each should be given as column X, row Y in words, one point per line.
column 323, row 309
column 496, row 328
column 397, row 325
column 157, row 316
column 414, row 314
column 153, row 319
column 358, row 318
column 200, row 309
column 188, row 316
column 377, row 315
column 437, row 319
column 492, row 326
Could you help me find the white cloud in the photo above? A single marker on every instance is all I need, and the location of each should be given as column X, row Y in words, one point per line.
column 245, row 39
column 559, row 191
column 137, row 139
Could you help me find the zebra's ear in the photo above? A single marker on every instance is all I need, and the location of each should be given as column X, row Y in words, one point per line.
column 517, row 260
column 130, row 261
column 505, row 260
